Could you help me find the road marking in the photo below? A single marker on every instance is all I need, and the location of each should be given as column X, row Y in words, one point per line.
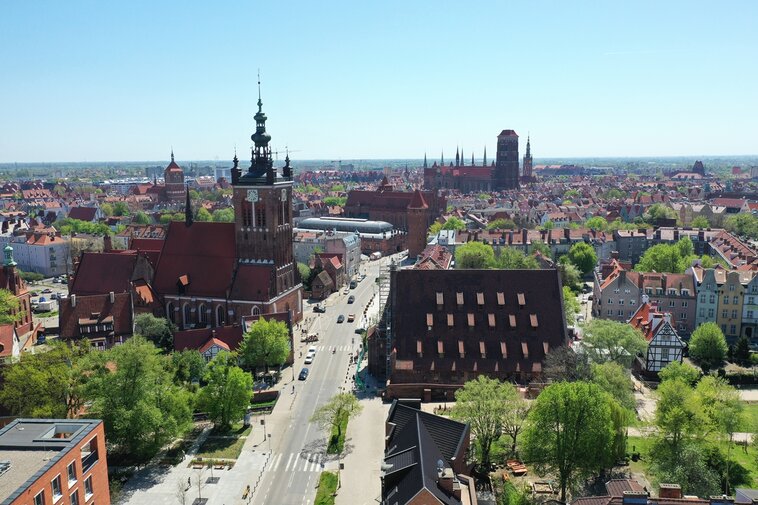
column 277, row 460
column 289, row 461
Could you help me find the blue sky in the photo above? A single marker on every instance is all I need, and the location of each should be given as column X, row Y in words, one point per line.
column 86, row 81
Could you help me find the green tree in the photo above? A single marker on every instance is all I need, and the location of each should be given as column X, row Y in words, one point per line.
column 549, row 225
column 9, row 308
column 120, row 209
column 338, row 410
column 571, row 306
column 338, row 188
column 45, row 384
column 203, row 215
column 742, row 224
column 687, row 466
column 227, row 392
column 107, row 209
column 742, row 351
column 266, row 344
column 189, row 366
column 165, row 218
column 434, row 229
column 223, row 215
column 571, row 277
column 136, row 398
column 700, row 222
column 659, row 211
column 454, row 223
column 141, row 218
column 661, row 258
column 306, row 275
column 512, row 258
column 482, row 403
column 474, row 255
column 596, row 223
column 616, row 381
column 606, row 340
column 583, row 256
column 501, row 224
column 677, row 413
column 542, row 247
column 157, row 330
column 679, row 370
column 708, row 345
column 564, row 364
column 569, row 432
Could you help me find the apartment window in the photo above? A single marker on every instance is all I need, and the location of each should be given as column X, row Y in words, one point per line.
column 712, row 299
column 665, row 354
column 89, row 454
column 627, row 291
column 685, row 292
column 723, row 328
column 750, row 300
column 40, row 498
column 658, row 291
column 702, row 298
column 620, row 312
column 726, row 300
column 671, row 303
column 610, row 301
column 731, row 287
column 610, row 312
column 672, row 292
column 648, row 291
column 711, row 313
column 57, row 490
column 724, row 314
column 71, row 473
column 87, row 488
column 734, row 315
column 685, row 304
column 732, row 329
column 616, row 291
column 750, row 314
column 709, row 287
column 735, row 300
column 633, row 302
column 75, row 498
column 621, row 302
column 683, row 315
column 701, row 313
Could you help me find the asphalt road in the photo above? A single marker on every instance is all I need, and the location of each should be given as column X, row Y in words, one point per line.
column 298, row 447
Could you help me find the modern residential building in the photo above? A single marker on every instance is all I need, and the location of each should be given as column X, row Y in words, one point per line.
column 53, row 461
column 47, row 254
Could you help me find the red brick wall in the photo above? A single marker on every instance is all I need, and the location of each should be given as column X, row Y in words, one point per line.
column 98, row 472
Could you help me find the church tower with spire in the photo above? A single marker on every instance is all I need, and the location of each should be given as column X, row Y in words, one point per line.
column 527, row 164
column 173, row 176
column 263, row 211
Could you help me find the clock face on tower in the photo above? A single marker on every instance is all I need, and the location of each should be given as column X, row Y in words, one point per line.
column 252, row 195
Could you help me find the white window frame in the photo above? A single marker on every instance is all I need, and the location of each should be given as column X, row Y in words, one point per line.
column 56, row 496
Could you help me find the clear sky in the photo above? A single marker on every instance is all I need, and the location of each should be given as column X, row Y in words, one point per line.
column 127, row 80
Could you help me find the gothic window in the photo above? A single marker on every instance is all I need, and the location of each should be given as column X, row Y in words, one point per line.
column 247, row 213
column 260, row 216
column 170, row 312
column 256, row 311
column 187, row 314
column 220, row 315
column 201, row 317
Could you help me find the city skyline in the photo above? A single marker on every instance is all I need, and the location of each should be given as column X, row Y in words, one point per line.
column 127, row 83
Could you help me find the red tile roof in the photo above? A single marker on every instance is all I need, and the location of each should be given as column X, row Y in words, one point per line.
column 100, row 273
column 120, row 310
column 253, row 282
column 204, row 251
column 230, row 336
column 83, row 213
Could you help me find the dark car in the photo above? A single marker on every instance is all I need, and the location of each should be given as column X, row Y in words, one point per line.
column 319, row 308
column 303, row 374
column 351, row 299
column 353, row 284
column 341, row 319
column 47, row 290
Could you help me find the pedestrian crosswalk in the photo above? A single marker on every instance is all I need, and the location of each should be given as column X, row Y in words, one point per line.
column 297, row 462
column 340, row 348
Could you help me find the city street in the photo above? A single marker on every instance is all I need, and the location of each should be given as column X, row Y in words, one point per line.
column 297, row 446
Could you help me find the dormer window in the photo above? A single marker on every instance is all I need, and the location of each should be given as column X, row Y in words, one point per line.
column 491, row 320
column 440, row 299
column 470, row 318
column 480, row 299
column 450, row 320
column 521, row 299
column 429, row 320
column 512, row 320
column 461, row 349
column 500, row 298
column 525, row 349
column 533, row 320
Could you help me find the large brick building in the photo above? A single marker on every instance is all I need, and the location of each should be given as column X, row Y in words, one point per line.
column 53, row 461
column 442, row 328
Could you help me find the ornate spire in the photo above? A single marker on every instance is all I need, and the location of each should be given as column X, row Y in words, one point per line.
column 172, row 154
column 457, row 157
column 484, row 163
column 8, row 253
column 424, row 160
column 528, row 147
column 472, row 158
column 188, row 219
column 442, row 158
column 287, row 170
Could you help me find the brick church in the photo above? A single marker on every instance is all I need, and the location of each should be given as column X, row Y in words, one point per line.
column 204, row 274
column 502, row 174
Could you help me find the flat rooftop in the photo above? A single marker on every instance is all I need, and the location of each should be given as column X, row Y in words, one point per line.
column 29, row 447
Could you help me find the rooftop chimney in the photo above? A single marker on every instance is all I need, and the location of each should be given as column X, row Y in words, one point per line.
column 634, row 498
column 670, row 491
column 112, row 296
column 447, row 482
column 73, row 300
column 721, row 500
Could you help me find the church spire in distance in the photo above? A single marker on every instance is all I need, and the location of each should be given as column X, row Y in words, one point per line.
column 484, row 163
column 424, row 160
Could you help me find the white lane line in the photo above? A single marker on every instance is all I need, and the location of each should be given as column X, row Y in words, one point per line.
column 305, row 462
column 289, row 461
column 275, row 462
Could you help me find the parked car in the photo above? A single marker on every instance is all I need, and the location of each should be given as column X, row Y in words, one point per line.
column 303, row 374
column 350, row 318
column 351, row 299
column 319, row 308
column 309, row 358
column 353, row 284
column 341, row 319
column 47, row 290
column 312, row 349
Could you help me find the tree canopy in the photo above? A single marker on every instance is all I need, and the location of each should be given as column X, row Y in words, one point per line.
column 672, row 258
column 474, row 255
column 156, row 329
column 571, row 306
column 266, row 344
column 501, row 224
column 223, row 215
column 605, row 340
column 9, row 307
column 227, row 392
column 583, row 256
column 708, row 345
column 564, row 364
column 141, row 218
column 340, row 408
column 596, row 223
column 569, row 432
column 679, row 370
column 512, row 258
column 202, row 215
column 616, row 381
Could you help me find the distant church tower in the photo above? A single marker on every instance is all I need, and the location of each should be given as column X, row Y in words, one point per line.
column 506, row 161
column 263, row 210
column 528, row 160
column 174, row 179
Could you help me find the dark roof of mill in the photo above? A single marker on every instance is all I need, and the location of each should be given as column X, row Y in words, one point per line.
column 83, row 213
column 415, row 443
column 204, row 253
column 486, row 320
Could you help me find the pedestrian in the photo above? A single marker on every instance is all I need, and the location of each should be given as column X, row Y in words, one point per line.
column 189, row 482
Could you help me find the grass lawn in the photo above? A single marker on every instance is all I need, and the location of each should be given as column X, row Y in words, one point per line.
column 751, row 416
column 47, row 314
column 327, row 486
column 221, row 447
column 238, row 429
column 641, row 445
column 336, row 444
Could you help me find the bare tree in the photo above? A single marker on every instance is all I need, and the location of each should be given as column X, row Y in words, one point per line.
column 181, row 492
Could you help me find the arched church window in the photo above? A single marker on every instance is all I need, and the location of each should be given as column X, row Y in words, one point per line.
column 187, row 315
column 220, row 315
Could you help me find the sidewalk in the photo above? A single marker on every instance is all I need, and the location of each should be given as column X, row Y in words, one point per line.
column 364, row 451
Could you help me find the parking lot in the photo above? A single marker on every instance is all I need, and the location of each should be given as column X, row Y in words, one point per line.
column 45, row 294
